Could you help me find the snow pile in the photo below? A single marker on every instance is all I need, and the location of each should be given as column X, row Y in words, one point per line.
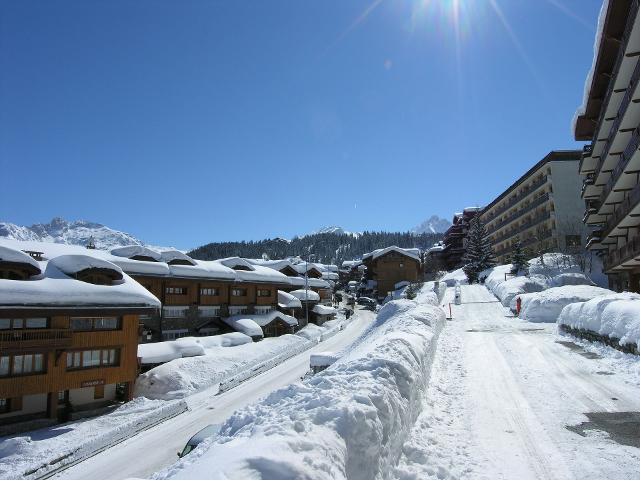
column 51, row 448
column 455, row 276
column 16, row 256
column 226, row 367
column 557, row 270
column 73, row 264
column 323, row 359
column 348, row 422
column 162, row 352
column 546, row 306
column 615, row 316
column 244, row 325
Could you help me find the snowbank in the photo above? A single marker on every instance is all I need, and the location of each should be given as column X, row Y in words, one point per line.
column 557, row 270
column 456, row 276
column 50, row 449
column 244, row 325
column 162, row 352
column 348, row 422
column 615, row 316
column 546, row 306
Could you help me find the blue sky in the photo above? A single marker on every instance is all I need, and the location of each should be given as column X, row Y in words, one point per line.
column 195, row 121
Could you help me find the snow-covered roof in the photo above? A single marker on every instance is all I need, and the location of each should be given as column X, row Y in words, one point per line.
column 306, row 294
column 266, row 318
column 12, row 255
column 286, row 300
column 351, row 263
column 323, row 310
column 242, row 324
column 135, row 251
column 72, row 264
column 275, row 264
column 407, row 252
column 311, row 282
column 169, row 256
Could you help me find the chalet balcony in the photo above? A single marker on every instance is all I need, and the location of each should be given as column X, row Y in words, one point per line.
column 41, row 339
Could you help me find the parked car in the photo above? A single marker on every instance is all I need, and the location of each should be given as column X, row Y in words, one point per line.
column 367, row 302
column 198, row 438
column 351, row 300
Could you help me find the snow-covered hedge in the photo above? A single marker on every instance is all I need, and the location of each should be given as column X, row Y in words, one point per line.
column 161, row 352
column 547, row 305
column 27, row 457
column 615, row 317
column 348, row 422
column 557, row 270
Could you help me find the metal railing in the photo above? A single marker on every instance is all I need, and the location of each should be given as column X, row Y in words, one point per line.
column 628, row 153
column 513, row 200
column 524, row 226
column 627, row 252
column 621, row 211
column 534, row 203
column 540, row 236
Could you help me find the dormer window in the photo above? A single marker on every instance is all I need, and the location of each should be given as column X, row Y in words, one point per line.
column 241, row 267
column 17, row 265
column 143, row 258
column 180, row 261
column 98, row 276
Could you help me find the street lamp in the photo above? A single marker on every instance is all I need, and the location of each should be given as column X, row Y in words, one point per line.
column 306, row 285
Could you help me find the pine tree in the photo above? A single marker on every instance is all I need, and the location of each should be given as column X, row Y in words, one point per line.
column 479, row 254
column 519, row 260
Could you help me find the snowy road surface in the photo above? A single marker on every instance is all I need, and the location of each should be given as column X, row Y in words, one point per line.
column 156, row 448
column 502, row 395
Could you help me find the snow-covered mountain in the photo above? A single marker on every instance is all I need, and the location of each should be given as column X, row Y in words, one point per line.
column 434, row 224
column 335, row 229
column 78, row 232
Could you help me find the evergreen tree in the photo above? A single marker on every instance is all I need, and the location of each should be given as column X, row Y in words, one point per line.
column 479, row 254
column 519, row 260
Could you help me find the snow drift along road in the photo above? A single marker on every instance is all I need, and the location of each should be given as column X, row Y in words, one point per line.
column 348, row 422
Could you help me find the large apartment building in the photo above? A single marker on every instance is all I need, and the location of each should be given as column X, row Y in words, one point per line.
column 68, row 335
column 610, row 120
column 455, row 238
column 542, row 209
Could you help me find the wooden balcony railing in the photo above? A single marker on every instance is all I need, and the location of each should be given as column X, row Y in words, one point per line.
column 45, row 338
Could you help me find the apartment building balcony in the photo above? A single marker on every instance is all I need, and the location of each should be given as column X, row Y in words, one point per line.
column 518, row 198
column 594, row 240
column 591, row 217
column 29, row 339
column 629, row 160
column 587, row 162
column 628, row 209
column 540, row 236
column 623, row 257
column 621, row 61
column 534, row 203
column 525, row 226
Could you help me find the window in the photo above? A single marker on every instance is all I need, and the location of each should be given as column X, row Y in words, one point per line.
column 238, row 292
column 401, row 265
column 93, row 358
column 17, row 365
column 95, row 323
column 173, row 334
column 62, row 397
column 5, row 405
column 176, row 290
column 209, row 312
column 263, row 310
column 209, row 292
column 19, row 323
column 264, row 293
column 175, row 312
column 237, row 310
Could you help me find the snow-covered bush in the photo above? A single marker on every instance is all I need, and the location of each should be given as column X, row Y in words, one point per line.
column 348, row 422
column 546, row 306
column 615, row 316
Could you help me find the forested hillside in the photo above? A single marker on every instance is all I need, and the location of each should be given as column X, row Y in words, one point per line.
column 327, row 247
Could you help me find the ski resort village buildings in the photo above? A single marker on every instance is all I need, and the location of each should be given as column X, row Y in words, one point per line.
column 610, row 119
column 68, row 334
column 542, row 209
column 454, row 238
column 389, row 266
